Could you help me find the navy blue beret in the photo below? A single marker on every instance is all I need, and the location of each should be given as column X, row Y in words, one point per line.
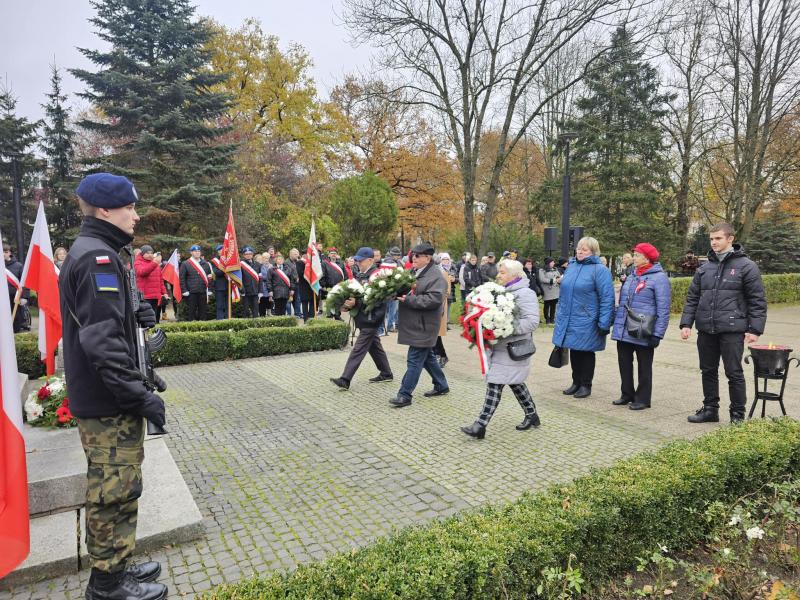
column 219, row 247
column 105, row 190
column 246, row 249
column 195, row 247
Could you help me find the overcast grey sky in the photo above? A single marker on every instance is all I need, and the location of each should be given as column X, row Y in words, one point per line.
column 35, row 32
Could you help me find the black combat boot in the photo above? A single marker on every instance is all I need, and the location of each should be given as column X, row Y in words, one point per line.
column 144, row 572
column 108, row 586
column 583, row 392
column 707, row 414
column 737, row 416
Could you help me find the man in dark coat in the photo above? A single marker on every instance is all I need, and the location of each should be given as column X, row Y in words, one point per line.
column 489, row 270
column 251, row 283
column 281, row 283
column 14, row 277
column 727, row 305
column 367, row 322
column 195, row 273
column 420, row 315
column 220, row 285
column 107, row 394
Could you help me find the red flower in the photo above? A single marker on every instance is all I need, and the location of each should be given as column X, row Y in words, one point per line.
column 44, row 392
column 488, row 334
column 63, row 414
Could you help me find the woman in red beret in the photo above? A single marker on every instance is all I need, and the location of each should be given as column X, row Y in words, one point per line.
column 640, row 323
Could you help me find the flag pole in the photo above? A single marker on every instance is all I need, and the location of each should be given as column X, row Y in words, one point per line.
column 16, row 303
column 229, row 297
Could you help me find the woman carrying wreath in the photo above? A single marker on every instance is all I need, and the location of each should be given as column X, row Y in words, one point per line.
column 503, row 369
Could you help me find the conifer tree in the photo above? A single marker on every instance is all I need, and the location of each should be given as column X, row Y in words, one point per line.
column 17, row 135
column 154, row 89
column 619, row 158
column 57, row 143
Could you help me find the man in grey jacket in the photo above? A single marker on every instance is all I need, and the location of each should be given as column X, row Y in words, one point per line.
column 420, row 314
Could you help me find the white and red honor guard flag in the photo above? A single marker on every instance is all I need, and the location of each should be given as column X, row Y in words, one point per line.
column 14, row 520
column 170, row 275
column 40, row 275
column 313, row 271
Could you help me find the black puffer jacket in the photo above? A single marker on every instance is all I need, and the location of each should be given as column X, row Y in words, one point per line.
column 727, row 296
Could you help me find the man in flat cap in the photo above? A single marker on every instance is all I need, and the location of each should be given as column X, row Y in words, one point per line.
column 367, row 322
column 420, row 314
column 106, row 390
column 251, row 282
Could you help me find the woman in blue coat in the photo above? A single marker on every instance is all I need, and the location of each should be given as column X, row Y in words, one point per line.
column 586, row 309
column 646, row 291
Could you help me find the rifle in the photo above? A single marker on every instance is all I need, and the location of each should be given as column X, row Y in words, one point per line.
column 146, row 345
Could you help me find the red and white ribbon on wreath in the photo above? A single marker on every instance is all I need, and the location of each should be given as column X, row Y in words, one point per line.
column 474, row 318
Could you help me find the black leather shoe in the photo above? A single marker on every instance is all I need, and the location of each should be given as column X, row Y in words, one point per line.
column 380, row 378
column 571, row 389
column 475, row 430
column 583, row 392
column 400, row 401
column 342, row 383
column 638, row 406
column 127, row 589
column 621, row 401
column 144, row 572
column 435, row 392
column 529, row 421
column 737, row 417
column 705, row 415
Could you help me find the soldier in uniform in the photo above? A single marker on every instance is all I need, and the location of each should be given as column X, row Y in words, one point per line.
column 251, row 282
column 368, row 339
column 106, row 390
column 195, row 274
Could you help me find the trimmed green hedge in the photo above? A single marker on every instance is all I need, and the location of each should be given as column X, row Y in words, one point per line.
column 605, row 519
column 28, row 357
column 779, row 289
column 188, row 347
column 227, row 324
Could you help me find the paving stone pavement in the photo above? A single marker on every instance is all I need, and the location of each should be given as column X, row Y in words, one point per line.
column 288, row 469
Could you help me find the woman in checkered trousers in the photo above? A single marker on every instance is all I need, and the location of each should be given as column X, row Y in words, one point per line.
column 503, row 370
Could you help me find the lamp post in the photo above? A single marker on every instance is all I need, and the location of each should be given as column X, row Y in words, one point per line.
column 565, row 138
column 17, row 197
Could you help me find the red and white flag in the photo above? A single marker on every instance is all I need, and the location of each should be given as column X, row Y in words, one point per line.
column 14, row 520
column 170, row 275
column 40, row 275
column 313, row 270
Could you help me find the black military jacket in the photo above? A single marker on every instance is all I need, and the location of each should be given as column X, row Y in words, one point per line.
column 99, row 325
column 191, row 281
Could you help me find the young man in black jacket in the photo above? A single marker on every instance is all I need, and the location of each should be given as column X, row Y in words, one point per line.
column 727, row 305
column 106, row 390
column 367, row 322
column 195, row 273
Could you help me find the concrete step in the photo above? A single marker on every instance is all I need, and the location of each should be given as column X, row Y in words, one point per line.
column 167, row 514
column 56, row 470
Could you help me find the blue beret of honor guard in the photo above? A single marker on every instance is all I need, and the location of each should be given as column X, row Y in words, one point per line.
column 219, row 247
column 105, row 190
column 246, row 249
column 195, row 247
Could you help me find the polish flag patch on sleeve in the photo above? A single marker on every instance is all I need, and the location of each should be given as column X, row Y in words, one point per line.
column 103, row 260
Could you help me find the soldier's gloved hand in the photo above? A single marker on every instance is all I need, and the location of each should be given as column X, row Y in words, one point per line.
column 146, row 316
column 153, row 410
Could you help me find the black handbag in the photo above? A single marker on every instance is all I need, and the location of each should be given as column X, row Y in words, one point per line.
column 639, row 326
column 559, row 357
column 521, row 349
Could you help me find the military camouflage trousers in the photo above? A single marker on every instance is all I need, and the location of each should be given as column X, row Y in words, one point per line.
column 114, row 448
